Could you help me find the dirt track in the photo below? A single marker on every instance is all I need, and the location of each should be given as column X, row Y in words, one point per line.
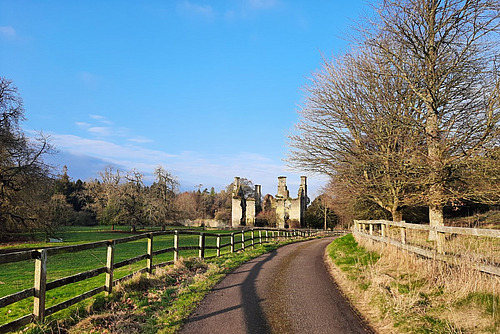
column 286, row 291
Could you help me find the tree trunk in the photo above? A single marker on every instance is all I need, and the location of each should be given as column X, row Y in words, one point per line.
column 435, row 219
column 397, row 215
column 325, row 218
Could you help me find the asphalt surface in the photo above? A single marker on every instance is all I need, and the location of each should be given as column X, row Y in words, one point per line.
column 286, row 291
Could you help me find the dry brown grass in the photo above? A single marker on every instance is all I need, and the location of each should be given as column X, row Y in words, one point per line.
column 408, row 294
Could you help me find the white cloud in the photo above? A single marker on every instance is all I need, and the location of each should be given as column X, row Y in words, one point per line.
column 190, row 167
column 193, row 9
column 7, row 31
column 140, row 140
column 100, row 118
column 101, row 131
column 84, row 125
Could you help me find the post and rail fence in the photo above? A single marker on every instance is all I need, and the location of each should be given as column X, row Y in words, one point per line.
column 442, row 248
column 41, row 286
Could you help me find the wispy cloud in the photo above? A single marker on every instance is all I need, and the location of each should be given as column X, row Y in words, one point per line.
column 188, row 8
column 101, row 131
column 191, row 168
column 100, row 118
column 84, row 125
column 140, row 140
column 7, row 32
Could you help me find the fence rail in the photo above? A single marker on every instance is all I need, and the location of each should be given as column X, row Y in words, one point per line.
column 377, row 230
column 41, row 286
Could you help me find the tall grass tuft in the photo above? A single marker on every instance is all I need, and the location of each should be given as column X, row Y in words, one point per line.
column 416, row 295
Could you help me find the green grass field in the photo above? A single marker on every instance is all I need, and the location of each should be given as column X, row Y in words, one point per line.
column 18, row 276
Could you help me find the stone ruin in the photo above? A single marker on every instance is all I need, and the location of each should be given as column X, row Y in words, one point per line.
column 289, row 211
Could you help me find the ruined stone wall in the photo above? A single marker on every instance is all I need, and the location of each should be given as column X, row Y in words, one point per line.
column 287, row 209
column 237, row 204
column 250, row 212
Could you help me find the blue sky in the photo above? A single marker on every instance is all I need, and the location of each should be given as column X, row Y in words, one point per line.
column 207, row 89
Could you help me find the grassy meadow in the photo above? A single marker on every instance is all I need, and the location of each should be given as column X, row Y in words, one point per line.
column 18, row 276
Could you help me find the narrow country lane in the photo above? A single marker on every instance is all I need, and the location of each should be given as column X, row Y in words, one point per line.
column 286, row 291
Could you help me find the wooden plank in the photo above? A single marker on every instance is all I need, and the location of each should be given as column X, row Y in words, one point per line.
column 189, row 248
column 432, row 254
column 225, row 245
column 110, row 259
column 74, row 300
column 129, row 239
column 176, row 245
column 201, row 251
column 15, row 297
column 149, row 260
column 218, row 244
column 40, row 284
column 164, row 232
column 130, row 261
column 18, row 256
column 75, row 278
column 163, row 251
column 13, row 325
column 477, row 232
column 163, row 264
column 75, row 248
column 189, row 232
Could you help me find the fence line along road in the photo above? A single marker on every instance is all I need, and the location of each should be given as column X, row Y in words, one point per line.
column 378, row 230
column 41, row 286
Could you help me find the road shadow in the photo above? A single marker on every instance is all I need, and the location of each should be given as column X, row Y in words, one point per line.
column 255, row 319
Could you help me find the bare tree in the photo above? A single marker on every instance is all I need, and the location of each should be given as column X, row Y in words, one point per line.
column 358, row 127
column 21, row 163
column 160, row 206
column 450, row 61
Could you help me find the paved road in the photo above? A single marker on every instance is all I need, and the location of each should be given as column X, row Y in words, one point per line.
column 286, row 291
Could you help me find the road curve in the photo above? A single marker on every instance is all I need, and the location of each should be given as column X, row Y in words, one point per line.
column 286, row 291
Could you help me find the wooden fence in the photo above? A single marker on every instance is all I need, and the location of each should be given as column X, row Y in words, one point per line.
column 41, row 286
column 378, row 230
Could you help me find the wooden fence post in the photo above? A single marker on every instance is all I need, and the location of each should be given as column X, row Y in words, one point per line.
column 40, row 285
column 149, row 261
column 260, row 237
column 440, row 239
column 243, row 240
column 403, row 235
column 232, row 242
column 267, row 236
column 176, row 245
column 201, row 253
column 371, row 229
column 110, row 259
column 218, row 244
column 383, row 228
column 253, row 239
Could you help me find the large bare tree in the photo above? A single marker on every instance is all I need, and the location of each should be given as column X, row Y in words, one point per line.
column 450, row 61
column 358, row 126
column 22, row 168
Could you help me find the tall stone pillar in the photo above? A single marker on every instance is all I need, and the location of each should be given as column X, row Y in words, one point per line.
column 250, row 212
column 258, row 199
column 282, row 188
column 281, row 198
column 304, row 200
column 237, row 204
